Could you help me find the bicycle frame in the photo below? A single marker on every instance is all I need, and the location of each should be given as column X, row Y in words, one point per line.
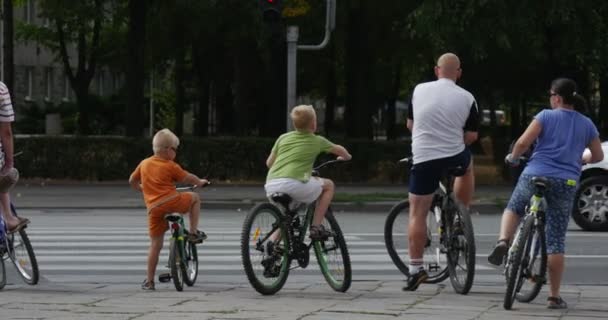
column 536, row 211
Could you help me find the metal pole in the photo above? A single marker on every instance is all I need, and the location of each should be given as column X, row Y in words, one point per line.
column 2, row 45
column 151, row 103
column 330, row 23
column 292, row 57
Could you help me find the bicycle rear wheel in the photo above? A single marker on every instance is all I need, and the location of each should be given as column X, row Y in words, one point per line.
column 535, row 262
column 515, row 262
column 461, row 249
column 265, row 249
column 190, row 264
column 332, row 255
column 176, row 264
column 396, row 240
column 22, row 255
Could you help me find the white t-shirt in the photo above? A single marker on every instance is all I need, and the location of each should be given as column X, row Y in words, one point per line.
column 6, row 113
column 441, row 111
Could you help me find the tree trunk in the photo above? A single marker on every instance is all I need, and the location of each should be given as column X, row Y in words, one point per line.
column 135, row 68
column 603, row 116
column 201, row 117
column 391, row 116
column 357, row 116
column 332, row 91
column 82, row 97
column 9, row 45
column 180, row 92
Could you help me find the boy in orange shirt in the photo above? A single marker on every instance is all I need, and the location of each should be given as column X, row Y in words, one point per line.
column 155, row 177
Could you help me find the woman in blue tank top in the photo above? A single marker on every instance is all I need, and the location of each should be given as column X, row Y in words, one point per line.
column 561, row 135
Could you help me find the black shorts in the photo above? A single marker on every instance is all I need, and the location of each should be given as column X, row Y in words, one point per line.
column 425, row 176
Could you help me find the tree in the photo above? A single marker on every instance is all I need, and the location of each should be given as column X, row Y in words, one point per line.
column 9, row 46
column 136, row 66
column 73, row 34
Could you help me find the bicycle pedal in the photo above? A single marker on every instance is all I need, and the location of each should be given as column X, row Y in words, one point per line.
column 164, row 277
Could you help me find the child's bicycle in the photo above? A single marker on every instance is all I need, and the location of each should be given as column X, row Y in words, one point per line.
column 526, row 261
column 183, row 257
column 274, row 234
column 16, row 246
column 450, row 246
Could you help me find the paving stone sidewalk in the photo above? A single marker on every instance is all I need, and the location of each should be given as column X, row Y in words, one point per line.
column 302, row 301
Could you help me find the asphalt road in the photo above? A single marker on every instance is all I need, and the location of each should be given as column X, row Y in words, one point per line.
column 110, row 246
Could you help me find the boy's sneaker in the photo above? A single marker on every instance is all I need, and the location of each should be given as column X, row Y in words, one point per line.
column 415, row 280
column 497, row 256
column 271, row 269
column 197, row 237
column 148, row 285
column 319, row 233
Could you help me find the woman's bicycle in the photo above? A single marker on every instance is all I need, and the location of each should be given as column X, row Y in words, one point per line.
column 526, row 261
column 183, row 257
column 17, row 247
column 274, row 234
column 450, row 246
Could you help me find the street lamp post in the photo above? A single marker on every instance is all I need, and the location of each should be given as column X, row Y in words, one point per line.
column 292, row 53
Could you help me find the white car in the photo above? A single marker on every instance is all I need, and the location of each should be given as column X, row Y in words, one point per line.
column 590, row 210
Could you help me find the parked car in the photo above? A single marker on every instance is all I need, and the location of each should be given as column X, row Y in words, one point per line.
column 500, row 117
column 590, row 210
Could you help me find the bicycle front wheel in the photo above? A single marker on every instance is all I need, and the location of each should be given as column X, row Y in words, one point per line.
column 176, row 264
column 265, row 249
column 190, row 264
column 534, row 266
column 461, row 249
column 332, row 255
column 515, row 262
column 396, row 240
column 22, row 254
column 2, row 269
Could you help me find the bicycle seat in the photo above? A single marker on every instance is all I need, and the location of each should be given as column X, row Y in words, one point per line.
column 540, row 182
column 173, row 217
column 456, row 171
column 281, row 198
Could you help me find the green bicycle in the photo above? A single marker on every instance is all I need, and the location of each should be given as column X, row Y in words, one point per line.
column 274, row 234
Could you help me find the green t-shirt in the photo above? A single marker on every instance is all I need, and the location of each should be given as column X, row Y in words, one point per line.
column 295, row 154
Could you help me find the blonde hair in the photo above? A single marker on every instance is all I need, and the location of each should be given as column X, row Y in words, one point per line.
column 164, row 139
column 302, row 117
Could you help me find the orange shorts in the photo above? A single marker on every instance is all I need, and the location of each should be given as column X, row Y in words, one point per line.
column 157, row 225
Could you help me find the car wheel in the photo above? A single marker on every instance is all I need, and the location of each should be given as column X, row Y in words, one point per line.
column 590, row 210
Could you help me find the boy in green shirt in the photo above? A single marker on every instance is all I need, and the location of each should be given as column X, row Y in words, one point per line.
column 290, row 163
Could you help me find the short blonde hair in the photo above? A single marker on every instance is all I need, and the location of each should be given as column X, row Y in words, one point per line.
column 303, row 116
column 164, row 139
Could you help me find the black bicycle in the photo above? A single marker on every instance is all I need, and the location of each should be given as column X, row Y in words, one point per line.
column 526, row 261
column 17, row 247
column 450, row 247
column 274, row 235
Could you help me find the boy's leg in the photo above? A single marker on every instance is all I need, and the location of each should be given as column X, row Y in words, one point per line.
column 195, row 209
column 327, row 194
column 156, row 244
column 10, row 220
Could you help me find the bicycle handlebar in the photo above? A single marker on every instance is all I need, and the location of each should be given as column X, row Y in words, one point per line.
column 191, row 188
column 326, row 163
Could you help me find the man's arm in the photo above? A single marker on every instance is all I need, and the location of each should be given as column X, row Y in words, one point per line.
column 471, row 127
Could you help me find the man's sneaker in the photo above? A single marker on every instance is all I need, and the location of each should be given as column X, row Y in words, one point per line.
column 197, row 237
column 148, row 285
column 497, row 256
column 319, row 233
column 415, row 280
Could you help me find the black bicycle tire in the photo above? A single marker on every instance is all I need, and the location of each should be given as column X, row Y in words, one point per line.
column 2, row 272
column 339, row 240
column 175, row 266
column 469, row 235
column 514, row 270
column 392, row 252
column 533, row 293
column 35, row 276
column 192, row 252
column 246, row 259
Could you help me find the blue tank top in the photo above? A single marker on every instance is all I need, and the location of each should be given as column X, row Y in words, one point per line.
column 564, row 136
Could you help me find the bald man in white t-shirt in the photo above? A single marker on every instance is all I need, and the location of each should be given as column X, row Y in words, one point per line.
column 444, row 119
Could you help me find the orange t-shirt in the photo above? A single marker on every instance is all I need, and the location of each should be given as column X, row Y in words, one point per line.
column 158, row 177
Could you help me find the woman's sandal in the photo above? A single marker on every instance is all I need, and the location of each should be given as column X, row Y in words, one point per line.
column 22, row 223
column 556, row 303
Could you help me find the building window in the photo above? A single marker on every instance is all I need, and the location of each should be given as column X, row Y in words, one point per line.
column 49, row 84
column 29, row 74
column 67, row 89
column 100, row 79
column 29, row 11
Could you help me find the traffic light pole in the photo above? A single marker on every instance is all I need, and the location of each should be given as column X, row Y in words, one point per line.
column 292, row 54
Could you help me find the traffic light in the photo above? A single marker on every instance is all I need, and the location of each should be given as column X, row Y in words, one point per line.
column 271, row 10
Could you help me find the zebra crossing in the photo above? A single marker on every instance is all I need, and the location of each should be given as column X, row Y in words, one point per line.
column 104, row 253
